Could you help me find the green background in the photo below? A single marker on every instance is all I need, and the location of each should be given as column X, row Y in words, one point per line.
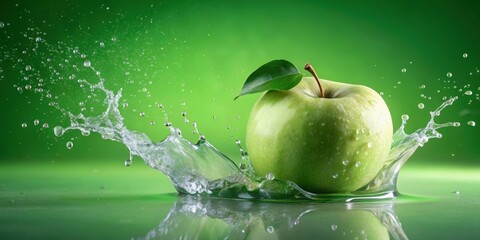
column 194, row 56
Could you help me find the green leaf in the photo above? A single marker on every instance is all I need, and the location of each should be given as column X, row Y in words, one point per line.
column 274, row 75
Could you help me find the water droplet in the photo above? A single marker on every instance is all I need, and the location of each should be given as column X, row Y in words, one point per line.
column 28, row 68
column 422, row 86
column 421, row 106
column 36, row 122
column 102, row 44
column 372, row 102
column 238, row 142
column 471, row 123
column 152, row 122
column 335, row 175
column 422, row 140
column 125, row 105
column 357, row 164
column 69, row 144
column 456, row 192
column 83, row 55
column 468, row 92
column 45, row 125
column 24, row 125
column 142, row 114
column 160, row 106
column 449, row 74
column 456, row 124
column 404, row 70
column 405, row 117
column 270, row 176
column 58, row 131
column 369, row 144
column 345, row 162
column 202, row 137
column 38, row 39
column 184, row 114
column 114, row 39
column 2, row 24
column 465, row 55
column 334, row 227
column 128, row 162
column 87, row 63
column 168, row 124
column 270, row 229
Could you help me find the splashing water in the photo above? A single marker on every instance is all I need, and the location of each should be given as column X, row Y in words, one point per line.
column 201, row 169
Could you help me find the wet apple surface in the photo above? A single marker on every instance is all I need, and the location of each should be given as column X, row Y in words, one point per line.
column 332, row 144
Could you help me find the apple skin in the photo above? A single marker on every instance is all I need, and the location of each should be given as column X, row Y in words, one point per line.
column 334, row 144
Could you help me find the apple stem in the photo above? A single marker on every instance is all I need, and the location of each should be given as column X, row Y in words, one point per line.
column 310, row 69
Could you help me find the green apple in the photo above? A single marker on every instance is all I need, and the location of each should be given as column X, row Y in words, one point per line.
column 327, row 137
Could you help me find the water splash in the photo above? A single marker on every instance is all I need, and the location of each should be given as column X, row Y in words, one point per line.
column 403, row 146
column 201, row 169
column 197, row 168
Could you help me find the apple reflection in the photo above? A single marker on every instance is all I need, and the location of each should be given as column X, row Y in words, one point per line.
column 194, row 217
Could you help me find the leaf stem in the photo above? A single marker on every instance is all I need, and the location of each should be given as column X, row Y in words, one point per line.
column 310, row 69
